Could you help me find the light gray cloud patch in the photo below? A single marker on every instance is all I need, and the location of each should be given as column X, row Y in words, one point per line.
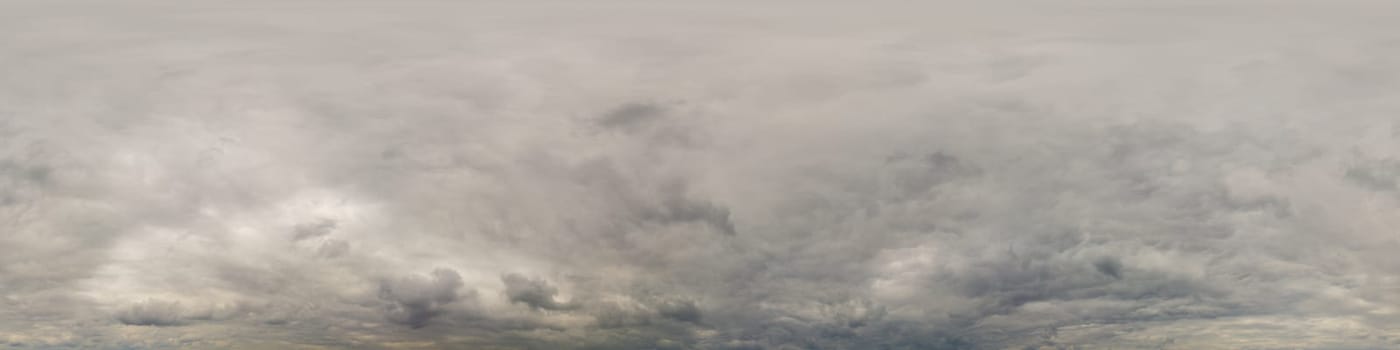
column 313, row 229
column 699, row 175
column 912, row 175
column 680, row 310
column 1377, row 175
column 151, row 312
column 1109, row 266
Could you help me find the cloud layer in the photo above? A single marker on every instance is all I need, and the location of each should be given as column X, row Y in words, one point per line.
column 687, row 175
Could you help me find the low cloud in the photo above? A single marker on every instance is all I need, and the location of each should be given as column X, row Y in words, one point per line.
column 313, row 229
column 415, row 300
column 1075, row 174
column 631, row 115
column 533, row 292
column 151, row 313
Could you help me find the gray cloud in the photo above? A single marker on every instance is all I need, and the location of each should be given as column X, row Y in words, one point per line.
column 415, row 300
column 333, row 249
column 151, row 313
column 680, row 310
column 1109, row 266
column 314, row 229
column 535, row 293
column 631, row 115
column 1084, row 174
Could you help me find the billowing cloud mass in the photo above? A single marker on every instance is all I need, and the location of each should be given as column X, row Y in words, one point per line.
column 1081, row 174
column 416, row 300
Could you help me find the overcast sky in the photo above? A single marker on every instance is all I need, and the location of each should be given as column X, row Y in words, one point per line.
column 316, row 174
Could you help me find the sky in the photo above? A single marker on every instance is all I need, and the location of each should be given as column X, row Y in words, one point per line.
column 740, row 175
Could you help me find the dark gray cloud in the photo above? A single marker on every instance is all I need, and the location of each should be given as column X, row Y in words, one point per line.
column 1109, row 266
column 1084, row 174
column 314, row 229
column 333, row 249
column 631, row 115
column 151, row 313
column 414, row 300
column 680, row 310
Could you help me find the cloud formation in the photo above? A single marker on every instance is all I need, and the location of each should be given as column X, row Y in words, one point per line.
column 151, row 313
column 415, row 300
column 1082, row 174
column 535, row 293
